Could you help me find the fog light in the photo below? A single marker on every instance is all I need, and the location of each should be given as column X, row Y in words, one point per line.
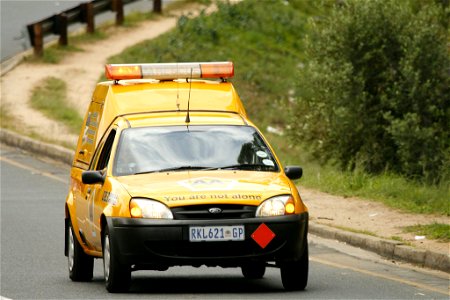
column 290, row 208
column 136, row 212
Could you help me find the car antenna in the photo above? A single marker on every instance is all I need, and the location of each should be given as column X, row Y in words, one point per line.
column 178, row 90
column 188, row 120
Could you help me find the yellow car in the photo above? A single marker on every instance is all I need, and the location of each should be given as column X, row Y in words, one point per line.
column 169, row 171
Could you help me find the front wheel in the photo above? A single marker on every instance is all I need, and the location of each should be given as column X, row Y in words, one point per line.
column 294, row 274
column 117, row 276
column 81, row 265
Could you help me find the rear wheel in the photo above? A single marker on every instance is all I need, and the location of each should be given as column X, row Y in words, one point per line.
column 117, row 276
column 254, row 270
column 294, row 274
column 81, row 265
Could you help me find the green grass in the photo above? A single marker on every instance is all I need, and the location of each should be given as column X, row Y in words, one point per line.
column 389, row 189
column 135, row 18
column 435, row 231
column 397, row 238
column 55, row 53
column 401, row 240
column 50, row 97
column 6, row 119
column 267, row 49
column 366, row 232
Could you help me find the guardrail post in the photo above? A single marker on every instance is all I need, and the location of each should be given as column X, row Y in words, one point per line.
column 84, row 13
column 62, row 24
column 38, row 40
column 89, row 10
column 157, row 6
column 118, row 8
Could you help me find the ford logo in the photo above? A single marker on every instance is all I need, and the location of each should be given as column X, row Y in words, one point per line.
column 215, row 210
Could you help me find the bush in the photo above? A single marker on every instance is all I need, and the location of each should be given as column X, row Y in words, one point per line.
column 375, row 91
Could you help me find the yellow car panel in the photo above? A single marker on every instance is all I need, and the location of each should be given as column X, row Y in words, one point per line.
column 179, row 118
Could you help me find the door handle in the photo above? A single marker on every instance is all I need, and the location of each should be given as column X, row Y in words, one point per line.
column 88, row 193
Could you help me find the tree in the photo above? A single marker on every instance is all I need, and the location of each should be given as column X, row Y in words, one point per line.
column 375, row 92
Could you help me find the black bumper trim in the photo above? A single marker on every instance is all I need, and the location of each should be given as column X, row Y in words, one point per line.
column 156, row 244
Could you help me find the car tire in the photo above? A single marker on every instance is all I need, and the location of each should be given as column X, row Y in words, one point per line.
column 294, row 274
column 81, row 265
column 117, row 275
column 254, row 270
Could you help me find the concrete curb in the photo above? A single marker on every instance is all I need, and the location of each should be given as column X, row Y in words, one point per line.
column 387, row 248
column 57, row 153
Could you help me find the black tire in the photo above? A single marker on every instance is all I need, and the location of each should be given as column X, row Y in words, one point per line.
column 117, row 276
column 81, row 265
column 294, row 274
column 254, row 270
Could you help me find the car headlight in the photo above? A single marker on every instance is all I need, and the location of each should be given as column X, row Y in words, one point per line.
column 149, row 209
column 276, row 206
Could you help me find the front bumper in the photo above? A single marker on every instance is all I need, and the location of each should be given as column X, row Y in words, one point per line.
column 158, row 244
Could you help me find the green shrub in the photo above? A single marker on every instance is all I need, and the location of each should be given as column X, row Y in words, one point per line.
column 375, row 91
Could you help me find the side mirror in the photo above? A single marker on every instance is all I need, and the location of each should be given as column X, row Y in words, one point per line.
column 293, row 172
column 92, row 177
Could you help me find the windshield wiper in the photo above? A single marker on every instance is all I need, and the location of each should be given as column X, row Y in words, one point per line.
column 181, row 168
column 246, row 166
column 200, row 168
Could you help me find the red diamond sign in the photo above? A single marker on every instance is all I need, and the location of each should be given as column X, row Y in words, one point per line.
column 263, row 235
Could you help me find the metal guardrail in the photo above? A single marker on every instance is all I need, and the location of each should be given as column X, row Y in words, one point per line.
column 83, row 13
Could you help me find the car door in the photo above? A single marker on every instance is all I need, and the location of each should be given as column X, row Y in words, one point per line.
column 95, row 191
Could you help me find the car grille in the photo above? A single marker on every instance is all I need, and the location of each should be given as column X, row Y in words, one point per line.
column 208, row 212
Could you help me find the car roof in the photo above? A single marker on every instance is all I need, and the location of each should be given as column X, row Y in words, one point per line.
column 179, row 119
column 135, row 97
column 205, row 95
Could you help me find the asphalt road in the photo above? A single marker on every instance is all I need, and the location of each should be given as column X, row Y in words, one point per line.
column 33, row 265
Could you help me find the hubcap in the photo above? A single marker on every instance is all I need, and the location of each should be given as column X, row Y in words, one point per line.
column 106, row 258
column 71, row 250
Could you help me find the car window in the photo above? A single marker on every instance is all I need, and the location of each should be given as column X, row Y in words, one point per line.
column 153, row 149
column 101, row 159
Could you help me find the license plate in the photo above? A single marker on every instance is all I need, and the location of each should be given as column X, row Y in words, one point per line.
column 216, row 233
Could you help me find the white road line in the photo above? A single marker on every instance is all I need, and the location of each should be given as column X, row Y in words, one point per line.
column 22, row 166
column 375, row 274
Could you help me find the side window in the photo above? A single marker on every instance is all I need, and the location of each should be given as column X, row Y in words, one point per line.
column 101, row 160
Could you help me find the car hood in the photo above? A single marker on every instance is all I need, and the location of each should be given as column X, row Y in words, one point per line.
column 203, row 187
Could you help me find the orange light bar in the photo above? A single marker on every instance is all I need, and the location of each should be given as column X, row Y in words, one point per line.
column 217, row 70
column 167, row 71
column 117, row 72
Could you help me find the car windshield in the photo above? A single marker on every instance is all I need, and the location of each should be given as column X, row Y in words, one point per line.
column 178, row 148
